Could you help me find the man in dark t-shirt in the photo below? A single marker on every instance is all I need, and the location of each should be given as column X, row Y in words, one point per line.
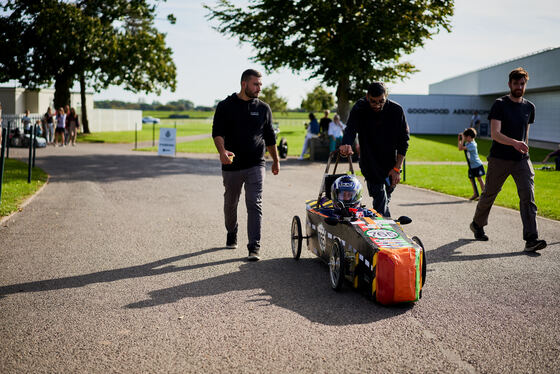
column 510, row 119
column 242, row 129
column 383, row 136
column 325, row 122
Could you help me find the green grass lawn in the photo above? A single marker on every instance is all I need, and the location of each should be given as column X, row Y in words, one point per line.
column 15, row 189
column 453, row 180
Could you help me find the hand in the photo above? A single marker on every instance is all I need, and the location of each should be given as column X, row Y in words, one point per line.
column 226, row 157
column 395, row 177
column 275, row 167
column 345, row 150
column 521, row 147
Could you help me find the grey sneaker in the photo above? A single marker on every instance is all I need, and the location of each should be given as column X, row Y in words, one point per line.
column 253, row 255
column 534, row 245
column 478, row 232
column 231, row 241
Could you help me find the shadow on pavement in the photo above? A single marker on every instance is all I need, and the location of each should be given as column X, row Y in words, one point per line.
column 111, row 168
column 448, row 253
column 146, row 270
column 302, row 287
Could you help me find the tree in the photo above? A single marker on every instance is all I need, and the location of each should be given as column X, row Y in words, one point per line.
column 270, row 96
column 98, row 42
column 318, row 100
column 344, row 43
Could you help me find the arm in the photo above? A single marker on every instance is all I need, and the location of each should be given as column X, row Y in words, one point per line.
column 226, row 157
column 275, row 161
column 349, row 134
column 395, row 175
column 460, row 143
column 496, row 127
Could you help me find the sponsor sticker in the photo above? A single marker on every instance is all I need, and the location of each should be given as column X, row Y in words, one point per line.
column 382, row 234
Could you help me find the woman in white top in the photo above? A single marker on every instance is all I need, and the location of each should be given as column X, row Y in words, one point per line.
column 336, row 130
column 60, row 125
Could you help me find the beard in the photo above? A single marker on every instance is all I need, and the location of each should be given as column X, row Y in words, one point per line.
column 516, row 93
column 251, row 94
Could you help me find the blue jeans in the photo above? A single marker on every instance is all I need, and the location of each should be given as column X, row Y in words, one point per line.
column 253, row 179
column 381, row 194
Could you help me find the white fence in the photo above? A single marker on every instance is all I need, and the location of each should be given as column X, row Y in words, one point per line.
column 114, row 120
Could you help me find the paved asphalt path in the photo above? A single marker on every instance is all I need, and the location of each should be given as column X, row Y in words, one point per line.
column 119, row 265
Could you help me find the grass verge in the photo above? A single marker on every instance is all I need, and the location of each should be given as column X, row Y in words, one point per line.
column 15, row 189
column 453, row 180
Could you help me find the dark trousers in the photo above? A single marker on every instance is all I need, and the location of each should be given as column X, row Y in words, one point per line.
column 524, row 177
column 253, row 179
column 381, row 194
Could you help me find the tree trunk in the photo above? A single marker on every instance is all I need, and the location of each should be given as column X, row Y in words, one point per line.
column 343, row 101
column 62, row 86
column 85, row 122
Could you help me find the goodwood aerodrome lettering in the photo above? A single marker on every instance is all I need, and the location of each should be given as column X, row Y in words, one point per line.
column 445, row 111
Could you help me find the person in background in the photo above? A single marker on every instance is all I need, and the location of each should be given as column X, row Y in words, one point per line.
column 73, row 125
column 336, row 130
column 324, row 123
column 475, row 121
column 60, row 125
column 556, row 154
column 510, row 118
column 26, row 121
column 49, row 126
column 312, row 131
column 467, row 143
column 67, row 113
column 383, row 135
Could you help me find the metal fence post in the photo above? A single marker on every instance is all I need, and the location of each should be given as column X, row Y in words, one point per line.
column 404, row 170
column 29, row 166
column 34, row 141
column 3, row 148
column 135, row 135
column 153, row 134
column 7, row 142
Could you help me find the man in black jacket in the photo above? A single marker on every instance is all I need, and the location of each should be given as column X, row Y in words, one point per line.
column 242, row 129
column 383, row 136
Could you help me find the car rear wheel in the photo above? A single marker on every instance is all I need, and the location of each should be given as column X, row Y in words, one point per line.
column 283, row 148
column 297, row 237
column 336, row 266
column 419, row 242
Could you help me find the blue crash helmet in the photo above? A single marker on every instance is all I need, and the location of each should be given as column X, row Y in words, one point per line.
column 346, row 192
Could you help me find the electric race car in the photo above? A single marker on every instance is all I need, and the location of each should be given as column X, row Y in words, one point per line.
column 360, row 246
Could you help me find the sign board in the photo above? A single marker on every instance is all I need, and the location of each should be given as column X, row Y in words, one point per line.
column 167, row 140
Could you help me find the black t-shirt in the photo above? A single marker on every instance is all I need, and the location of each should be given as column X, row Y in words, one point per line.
column 324, row 124
column 246, row 127
column 515, row 118
column 382, row 135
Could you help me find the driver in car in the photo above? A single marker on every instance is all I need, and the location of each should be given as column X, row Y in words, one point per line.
column 346, row 195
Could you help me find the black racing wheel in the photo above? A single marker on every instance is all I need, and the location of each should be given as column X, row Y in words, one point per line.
column 419, row 242
column 336, row 266
column 297, row 237
column 283, row 148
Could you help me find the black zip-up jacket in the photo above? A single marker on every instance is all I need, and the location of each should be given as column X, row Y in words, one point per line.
column 381, row 135
column 246, row 127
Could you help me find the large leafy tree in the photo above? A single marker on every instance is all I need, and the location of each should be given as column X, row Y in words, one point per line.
column 318, row 100
column 270, row 96
column 344, row 43
column 99, row 43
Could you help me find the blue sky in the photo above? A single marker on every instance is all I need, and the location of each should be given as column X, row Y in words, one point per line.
column 484, row 32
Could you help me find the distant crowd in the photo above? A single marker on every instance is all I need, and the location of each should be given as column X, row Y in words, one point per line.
column 59, row 128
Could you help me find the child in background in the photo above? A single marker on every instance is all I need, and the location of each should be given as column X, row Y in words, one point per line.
column 467, row 143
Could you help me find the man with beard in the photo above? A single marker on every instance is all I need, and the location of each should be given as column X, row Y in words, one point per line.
column 383, row 136
column 241, row 130
column 510, row 118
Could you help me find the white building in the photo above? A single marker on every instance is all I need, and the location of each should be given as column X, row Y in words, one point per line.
column 448, row 107
column 16, row 100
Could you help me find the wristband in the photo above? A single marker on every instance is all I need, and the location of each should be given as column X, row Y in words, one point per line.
column 397, row 170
